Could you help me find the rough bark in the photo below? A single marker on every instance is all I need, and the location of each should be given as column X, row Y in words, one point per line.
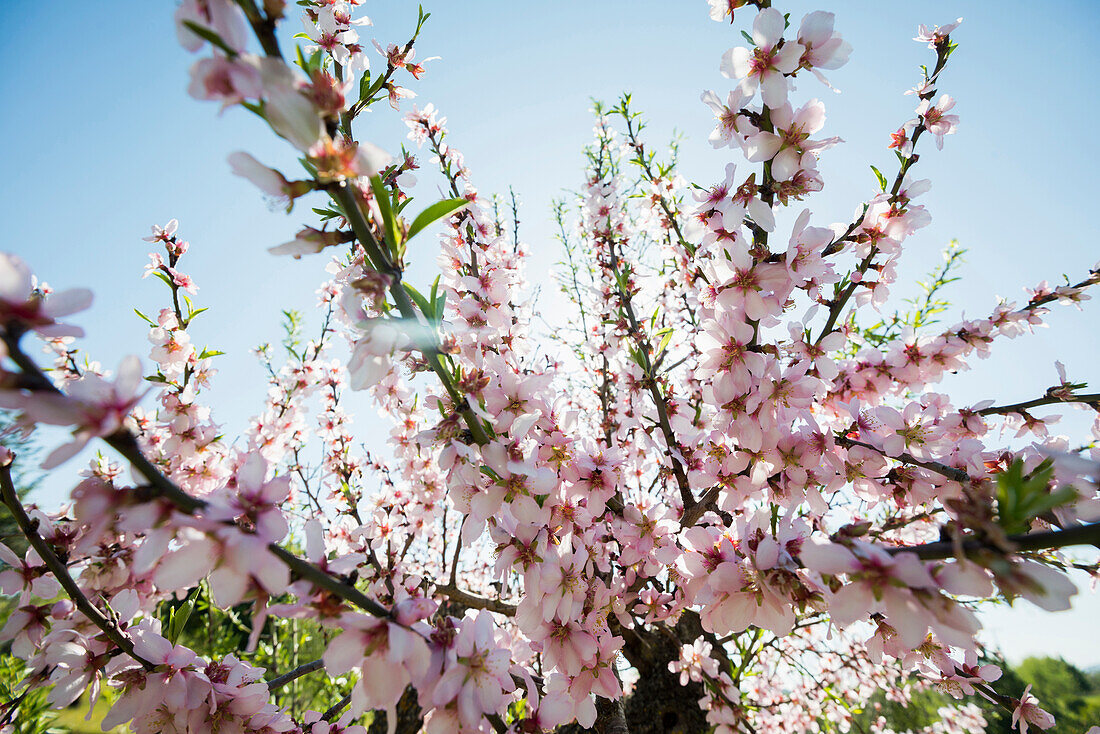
column 610, row 717
column 409, row 719
column 657, row 704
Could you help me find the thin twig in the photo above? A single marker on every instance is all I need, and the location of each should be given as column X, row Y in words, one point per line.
column 952, row 473
column 336, row 708
column 1092, row 399
column 304, row 669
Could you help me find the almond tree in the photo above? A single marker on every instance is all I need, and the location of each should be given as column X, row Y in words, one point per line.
column 721, row 494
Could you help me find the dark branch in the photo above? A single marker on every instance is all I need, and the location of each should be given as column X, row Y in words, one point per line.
column 1079, row 535
column 475, row 602
column 1092, row 399
column 305, row 669
column 126, row 444
column 60, row 572
column 955, row 475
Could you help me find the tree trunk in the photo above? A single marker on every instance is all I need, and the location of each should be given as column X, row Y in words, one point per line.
column 409, row 719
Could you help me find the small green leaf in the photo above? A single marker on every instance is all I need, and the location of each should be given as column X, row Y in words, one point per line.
column 421, row 302
column 435, row 289
column 254, row 108
column 1021, row 498
column 666, row 337
column 880, row 177
column 385, row 207
column 145, row 318
column 435, row 212
column 208, row 35
column 181, row 616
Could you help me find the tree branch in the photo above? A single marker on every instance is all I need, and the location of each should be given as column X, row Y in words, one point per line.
column 263, row 27
column 126, row 444
column 1079, row 535
column 610, row 716
column 837, row 305
column 475, row 602
column 952, row 473
column 60, row 572
column 304, row 669
column 1092, row 399
column 336, row 708
column 345, row 198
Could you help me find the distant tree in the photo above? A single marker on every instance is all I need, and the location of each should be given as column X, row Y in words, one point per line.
column 1071, row 695
column 1066, row 691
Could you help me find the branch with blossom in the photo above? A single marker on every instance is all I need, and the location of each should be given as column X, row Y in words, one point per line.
column 718, row 473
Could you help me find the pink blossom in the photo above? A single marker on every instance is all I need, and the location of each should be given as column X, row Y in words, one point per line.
column 229, row 81
column 934, row 119
column 936, row 35
column 765, row 66
column 24, row 304
column 26, row 576
column 388, row 657
column 824, row 49
column 478, row 680
column 1027, row 712
column 223, row 17
column 695, row 662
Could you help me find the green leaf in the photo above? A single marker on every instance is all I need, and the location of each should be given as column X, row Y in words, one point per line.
column 880, row 177
column 435, row 289
column 420, row 301
column 367, row 93
column 435, row 212
column 666, row 337
column 208, row 35
column 748, row 37
column 145, row 318
column 254, row 108
column 1021, row 498
column 385, row 207
column 164, row 276
column 181, row 615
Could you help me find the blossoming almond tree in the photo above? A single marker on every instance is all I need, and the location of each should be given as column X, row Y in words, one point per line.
column 724, row 502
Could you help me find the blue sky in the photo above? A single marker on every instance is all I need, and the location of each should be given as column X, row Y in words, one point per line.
column 103, row 141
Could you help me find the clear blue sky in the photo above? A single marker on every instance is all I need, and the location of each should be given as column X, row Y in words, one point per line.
column 101, row 140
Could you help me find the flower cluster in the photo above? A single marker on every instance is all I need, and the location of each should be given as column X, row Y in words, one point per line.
column 708, row 470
